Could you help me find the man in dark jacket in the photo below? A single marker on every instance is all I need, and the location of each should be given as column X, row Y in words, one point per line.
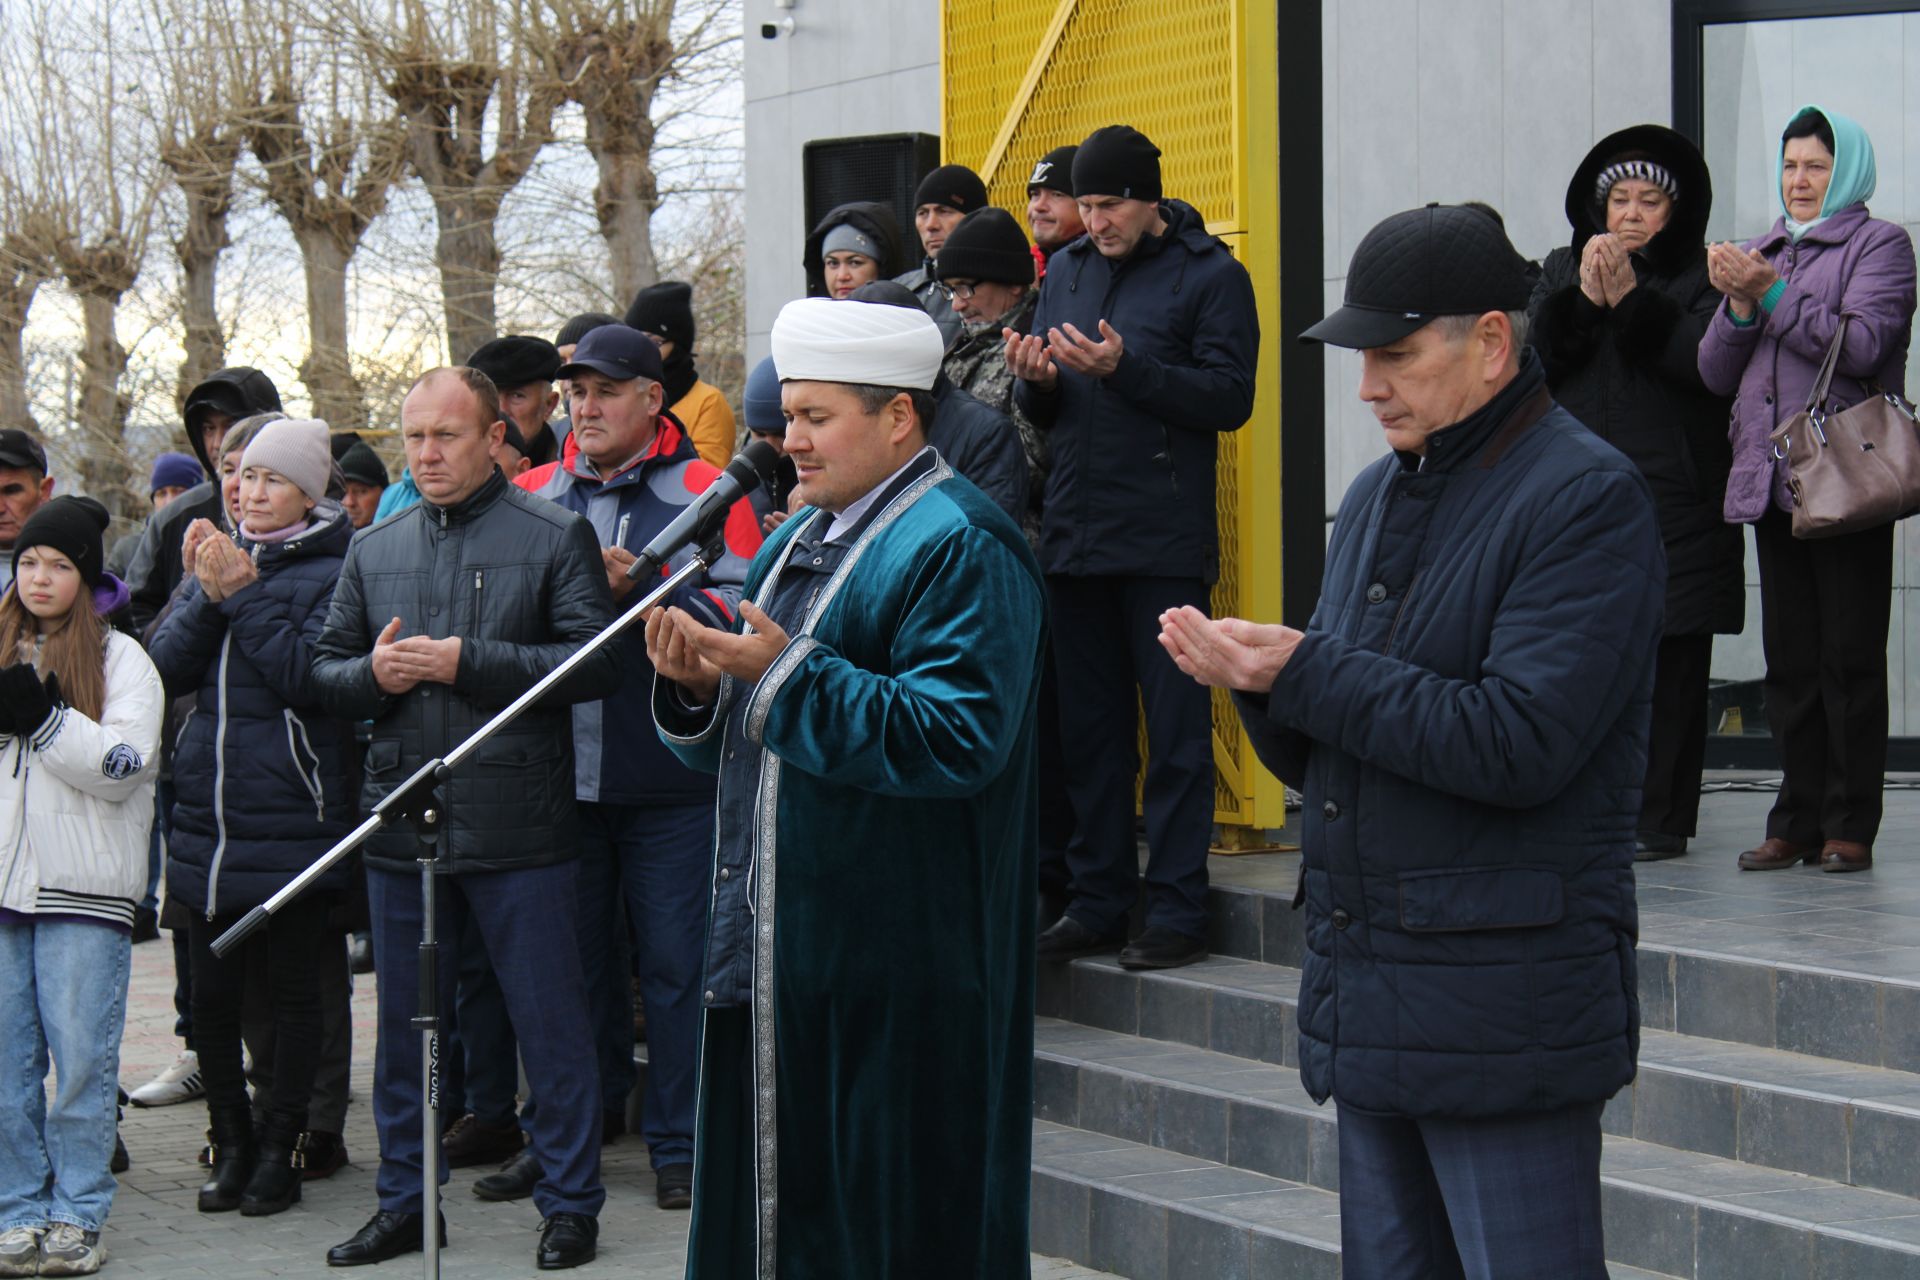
column 976, row 439
column 1467, row 716
column 1052, row 212
column 942, row 199
column 227, row 396
column 646, row 820
column 523, row 368
column 443, row 615
column 1143, row 353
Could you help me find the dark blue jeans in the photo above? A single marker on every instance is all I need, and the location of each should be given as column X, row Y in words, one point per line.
column 1105, row 644
column 651, row 864
column 1505, row 1198
column 527, row 919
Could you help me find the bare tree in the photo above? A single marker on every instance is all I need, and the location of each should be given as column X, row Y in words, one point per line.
column 94, row 166
column 462, row 76
column 200, row 144
column 330, row 152
column 24, row 267
column 616, row 56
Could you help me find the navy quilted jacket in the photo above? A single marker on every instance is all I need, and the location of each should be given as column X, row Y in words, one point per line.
column 262, row 775
column 1467, row 716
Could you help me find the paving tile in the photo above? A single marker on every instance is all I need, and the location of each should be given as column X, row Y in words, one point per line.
column 1283, row 937
column 1900, row 1027
column 1655, row 973
column 1117, row 1104
column 1104, row 997
column 1787, row 1131
column 1274, row 1256
column 1885, row 1150
column 1827, row 1016
column 1685, row 1111
column 1271, row 1141
column 1723, row 1000
column 1127, row 1235
column 1173, row 1010
column 1736, row 1247
column 1202, row 1246
column 1234, row 924
column 1190, row 1120
column 1646, row 1232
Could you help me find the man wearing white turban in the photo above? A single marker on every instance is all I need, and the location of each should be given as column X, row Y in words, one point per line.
column 866, row 1079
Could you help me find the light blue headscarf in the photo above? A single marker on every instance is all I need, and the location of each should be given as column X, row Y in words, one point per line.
column 1854, row 177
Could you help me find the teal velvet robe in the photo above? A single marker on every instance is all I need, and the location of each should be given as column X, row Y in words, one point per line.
column 889, row 1117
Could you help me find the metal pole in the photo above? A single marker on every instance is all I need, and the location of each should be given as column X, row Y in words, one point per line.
column 386, row 810
column 433, row 835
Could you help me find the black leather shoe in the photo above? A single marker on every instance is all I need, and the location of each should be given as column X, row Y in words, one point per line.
column 1655, row 846
column 566, row 1240
column 1161, row 948
column 513, row 1181
column 1069, row 938
column 673, row 1186
column 386, row 1235
column 468, row 1142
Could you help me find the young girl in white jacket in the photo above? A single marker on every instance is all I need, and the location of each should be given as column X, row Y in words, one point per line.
column 80, row 710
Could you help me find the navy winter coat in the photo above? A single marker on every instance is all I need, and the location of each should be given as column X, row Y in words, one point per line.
column 1132, row 485
column 982, row 444
column 262, row 775
column 1467, row 716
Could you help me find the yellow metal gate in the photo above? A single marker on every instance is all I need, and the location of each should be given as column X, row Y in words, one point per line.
column 1021, row 77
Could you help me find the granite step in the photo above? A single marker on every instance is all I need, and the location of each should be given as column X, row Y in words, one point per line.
column 1765, row 978
column 1851, row 1124
column 1145, row 1212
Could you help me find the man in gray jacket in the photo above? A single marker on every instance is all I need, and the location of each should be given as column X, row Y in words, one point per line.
column 443, row 615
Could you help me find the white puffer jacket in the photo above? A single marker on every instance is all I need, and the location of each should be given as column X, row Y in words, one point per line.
column 76, row 799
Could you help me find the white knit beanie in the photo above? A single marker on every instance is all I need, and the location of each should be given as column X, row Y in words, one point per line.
column 298, row 448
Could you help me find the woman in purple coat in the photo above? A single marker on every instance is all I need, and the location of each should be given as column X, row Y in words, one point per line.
column 1824, row 603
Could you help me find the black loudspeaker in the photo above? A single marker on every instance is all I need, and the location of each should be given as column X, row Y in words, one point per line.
column 886, row 167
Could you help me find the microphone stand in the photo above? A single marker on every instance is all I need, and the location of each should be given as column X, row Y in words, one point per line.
column 417, row 800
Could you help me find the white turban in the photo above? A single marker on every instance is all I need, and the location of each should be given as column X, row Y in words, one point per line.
column 823, row 340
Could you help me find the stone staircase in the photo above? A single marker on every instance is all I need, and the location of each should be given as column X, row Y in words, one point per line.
column 1774, row 1129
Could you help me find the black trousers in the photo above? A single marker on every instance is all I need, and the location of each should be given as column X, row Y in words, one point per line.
column 1056, row 810
column 1105, row 644
column 1824, row 606
column 1677, row 745
column 286, row 956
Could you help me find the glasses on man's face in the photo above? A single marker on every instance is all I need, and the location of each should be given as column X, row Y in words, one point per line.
column 960, row 289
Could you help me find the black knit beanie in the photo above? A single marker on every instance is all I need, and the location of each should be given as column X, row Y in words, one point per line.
column 1117, row 160
column 75, row 527
column 953, row 185
column 665, row 309
column 987, row 245
column 1054, row 172
column 580, row 326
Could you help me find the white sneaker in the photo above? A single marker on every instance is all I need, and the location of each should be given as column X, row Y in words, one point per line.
column 66, row 1250
column 20, row 1252
column 180, row 1082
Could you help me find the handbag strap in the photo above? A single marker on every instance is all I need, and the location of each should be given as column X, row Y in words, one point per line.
column 1818, row 395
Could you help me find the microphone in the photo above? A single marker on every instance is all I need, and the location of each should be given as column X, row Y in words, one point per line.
column 747, row 472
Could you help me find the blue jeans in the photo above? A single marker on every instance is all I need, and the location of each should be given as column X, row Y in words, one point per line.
column 1500, row 1198
column 526, row 920
column 63, row 994
column 656, row 861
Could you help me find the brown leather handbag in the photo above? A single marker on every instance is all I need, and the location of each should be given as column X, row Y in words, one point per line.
column 1852, row 470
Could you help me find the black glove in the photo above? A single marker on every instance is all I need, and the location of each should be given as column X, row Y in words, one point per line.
column 52, row 682
column 24, row 704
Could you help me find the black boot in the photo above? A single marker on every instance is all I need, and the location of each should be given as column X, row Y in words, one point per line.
column 230, row 1151
column 275, row 1184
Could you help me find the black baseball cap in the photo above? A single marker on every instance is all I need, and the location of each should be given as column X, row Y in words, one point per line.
column 18, row 449
column 621, row 353
column 1441, row 260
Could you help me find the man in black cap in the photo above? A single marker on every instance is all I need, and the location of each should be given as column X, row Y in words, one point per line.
column 943, row 197
column 664, row 312
column 523, row 369
column 24, row 486
column 366, row 479
column 1052, row 211
column 1143, row 351
column 1467, row 716
column 227, row 396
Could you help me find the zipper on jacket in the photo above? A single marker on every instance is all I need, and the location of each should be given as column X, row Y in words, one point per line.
column 1401, row 612
column 297, row 726
column 219, row 779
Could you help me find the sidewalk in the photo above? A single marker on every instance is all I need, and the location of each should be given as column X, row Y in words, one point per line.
column 155, row 1230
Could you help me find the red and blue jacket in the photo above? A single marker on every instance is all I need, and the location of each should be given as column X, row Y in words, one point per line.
column 618, row 758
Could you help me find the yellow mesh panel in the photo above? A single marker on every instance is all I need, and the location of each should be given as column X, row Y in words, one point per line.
column 1192, row 78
